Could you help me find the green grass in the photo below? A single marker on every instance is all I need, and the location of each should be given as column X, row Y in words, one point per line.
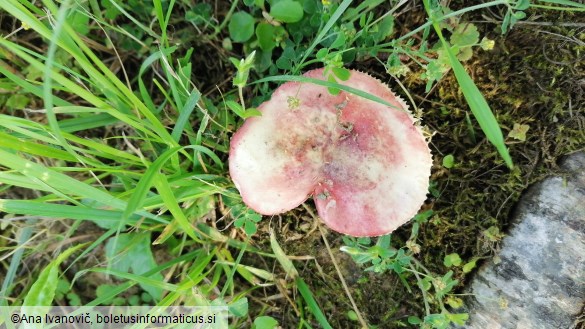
column 118, row 155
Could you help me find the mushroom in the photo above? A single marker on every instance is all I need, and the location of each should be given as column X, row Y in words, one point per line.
column 367, row 165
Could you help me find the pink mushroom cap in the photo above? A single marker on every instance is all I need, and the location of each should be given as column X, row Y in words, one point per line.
column 366, row 164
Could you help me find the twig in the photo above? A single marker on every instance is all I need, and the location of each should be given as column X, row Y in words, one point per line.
column 353, row 304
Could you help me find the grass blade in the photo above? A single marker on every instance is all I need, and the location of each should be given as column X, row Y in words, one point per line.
column 140, row 279
column 336, row 15
column 147, row 180
column 51, row 210
column 127, row 285
column 569, row 3
column 29, row 87
column 195, row 276
column 185, row 113
column 334, row 85
column 43, row 290
column 312, row 303
column 14, row 143
column 477, row 103
column 168, row 197
column 63, row 183
column 286, row 263
column 480, row 108
column 15, row 261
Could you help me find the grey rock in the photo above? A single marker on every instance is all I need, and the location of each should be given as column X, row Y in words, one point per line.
column 540, row 281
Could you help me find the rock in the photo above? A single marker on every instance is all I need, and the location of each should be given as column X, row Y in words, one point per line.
column 540, row 281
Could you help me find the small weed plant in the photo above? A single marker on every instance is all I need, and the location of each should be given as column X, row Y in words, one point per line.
column 437, row 290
